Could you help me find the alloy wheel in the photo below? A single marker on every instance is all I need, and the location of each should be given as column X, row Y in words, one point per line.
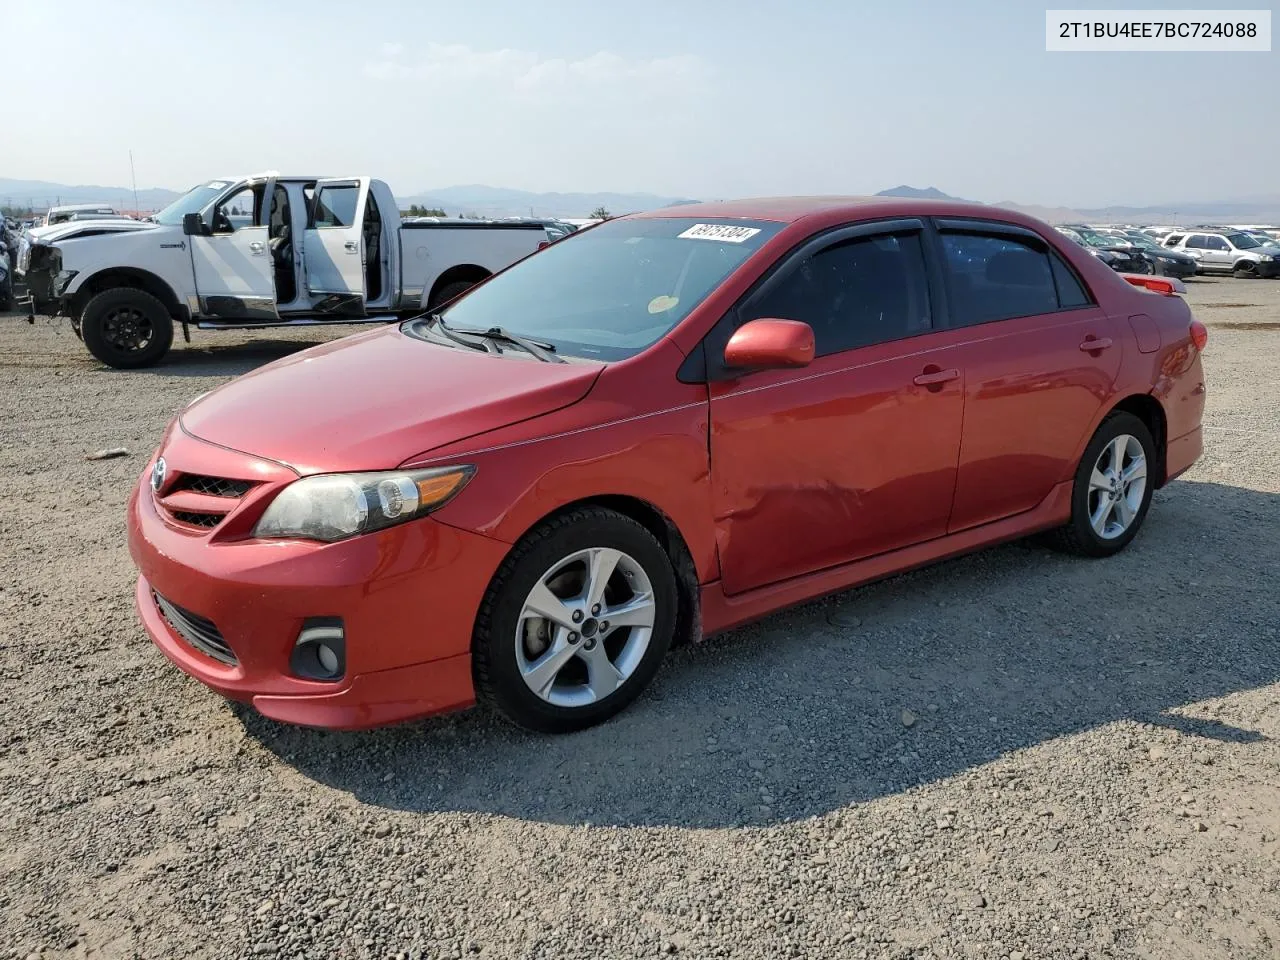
column 127, row 329
column 584, row 627
column 1116, row 486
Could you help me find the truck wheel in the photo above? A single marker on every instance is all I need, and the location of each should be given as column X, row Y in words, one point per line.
column 126, row 328
column 449, row 291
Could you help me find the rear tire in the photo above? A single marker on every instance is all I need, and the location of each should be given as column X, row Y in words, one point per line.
column 126, row 328
column 449, row 291
column 1112, row 489
column 560, row 675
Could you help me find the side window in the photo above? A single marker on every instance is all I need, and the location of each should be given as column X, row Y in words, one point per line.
column 237, row 211
column 1196, row 242
column 1218, row 243
column 336, row 206
column 997, row 278
column 1173, row 239
column 854, row 293
column 1071, row 292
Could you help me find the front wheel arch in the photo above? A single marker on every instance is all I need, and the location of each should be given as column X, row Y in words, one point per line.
column 113, row 277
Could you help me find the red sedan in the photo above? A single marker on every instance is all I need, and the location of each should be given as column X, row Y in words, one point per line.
column 655, row 429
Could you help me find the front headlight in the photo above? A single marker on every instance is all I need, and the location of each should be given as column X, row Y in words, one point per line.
column 335, row 506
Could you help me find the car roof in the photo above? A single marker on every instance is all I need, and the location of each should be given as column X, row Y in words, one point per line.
column 795, row 209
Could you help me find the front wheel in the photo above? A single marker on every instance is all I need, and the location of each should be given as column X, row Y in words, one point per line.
column 1112, row 489
column 575, row 623
column 126, row 328
column 1245, row 271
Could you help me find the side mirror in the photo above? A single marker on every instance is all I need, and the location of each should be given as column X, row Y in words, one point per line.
column 193, row 225
column 769, row 344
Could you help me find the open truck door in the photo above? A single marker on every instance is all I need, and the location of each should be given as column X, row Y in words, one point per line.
column 333, row 249
column 231, row 257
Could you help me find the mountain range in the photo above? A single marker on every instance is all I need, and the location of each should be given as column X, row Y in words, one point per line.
column 487, row 201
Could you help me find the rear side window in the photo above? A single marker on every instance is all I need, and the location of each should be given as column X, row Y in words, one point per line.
column 336, row 206
column 997, row 278
column 854, row 293
column 1173, row 239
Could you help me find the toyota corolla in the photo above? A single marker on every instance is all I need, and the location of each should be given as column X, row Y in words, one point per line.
column 651, row 431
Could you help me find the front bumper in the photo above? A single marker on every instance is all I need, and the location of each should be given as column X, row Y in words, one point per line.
column 1176, row 269
column 407, row 597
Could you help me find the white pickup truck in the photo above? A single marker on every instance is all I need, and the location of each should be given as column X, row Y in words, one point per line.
column 262, row 251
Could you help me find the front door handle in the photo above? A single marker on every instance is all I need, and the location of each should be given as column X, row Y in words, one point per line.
column 1094, row 344
column 256, row 246
column 934, row 377
column 352, row 246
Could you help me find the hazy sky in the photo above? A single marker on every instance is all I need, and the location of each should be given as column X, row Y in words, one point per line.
column 694, row 98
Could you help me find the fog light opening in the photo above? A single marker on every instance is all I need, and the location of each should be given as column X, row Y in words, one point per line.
column 320, row 652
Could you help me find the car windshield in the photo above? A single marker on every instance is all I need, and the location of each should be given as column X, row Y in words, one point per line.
column 611, row 291
column 193, row 201
column 1242, row 241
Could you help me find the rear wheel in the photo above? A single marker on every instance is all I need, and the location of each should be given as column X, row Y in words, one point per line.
column 449, row 291
column 576, row 622
column 126, row 328
column 1112, row 489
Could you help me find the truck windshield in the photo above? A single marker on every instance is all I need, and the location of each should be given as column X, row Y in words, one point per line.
column 193, row 201
column 611, row 291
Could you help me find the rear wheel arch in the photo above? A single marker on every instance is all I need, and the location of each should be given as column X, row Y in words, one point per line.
column 469, row 273
column 664, row 529
column 1151, row 412
column 115, row 277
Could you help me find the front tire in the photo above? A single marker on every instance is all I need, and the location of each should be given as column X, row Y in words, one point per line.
column 1245, row 271
column 126, row 328
column 575, row 623
column 1112, row 489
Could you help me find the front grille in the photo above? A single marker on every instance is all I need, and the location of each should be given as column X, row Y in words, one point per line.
column 206, row 520
column 212, row 486
column 198, row 631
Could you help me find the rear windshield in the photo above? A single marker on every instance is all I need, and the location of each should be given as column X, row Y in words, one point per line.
column 611, row 291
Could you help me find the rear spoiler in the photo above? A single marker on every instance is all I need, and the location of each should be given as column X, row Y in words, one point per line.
column 1167, row 286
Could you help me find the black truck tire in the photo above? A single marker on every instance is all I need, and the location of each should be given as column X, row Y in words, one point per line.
column 126, row 328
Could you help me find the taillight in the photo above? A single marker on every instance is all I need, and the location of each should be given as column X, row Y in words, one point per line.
column 1199, row 334
column 1165, row 285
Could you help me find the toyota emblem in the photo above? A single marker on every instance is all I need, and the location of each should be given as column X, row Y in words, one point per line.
column 158, row 473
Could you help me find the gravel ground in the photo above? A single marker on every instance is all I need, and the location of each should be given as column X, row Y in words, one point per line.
column 1011, row 755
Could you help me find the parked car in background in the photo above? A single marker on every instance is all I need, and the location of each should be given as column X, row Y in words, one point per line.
column 6, row 280
column 1264, row 238
column 65, row 212
column 1234, row 253
column 262, row 251
column 655, row 431
column 1120, row 256
column 1167, row 262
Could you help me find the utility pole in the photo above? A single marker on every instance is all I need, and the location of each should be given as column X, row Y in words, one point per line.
column 134, row 177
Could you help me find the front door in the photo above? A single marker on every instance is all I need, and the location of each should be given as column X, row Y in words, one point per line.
column 1039, row 357
column 233, row 269
column 855, row 454
column 333, row 248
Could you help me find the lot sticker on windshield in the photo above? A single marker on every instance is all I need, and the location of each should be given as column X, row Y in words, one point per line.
column 216, row 184
column 662, row 304
column 718, row 231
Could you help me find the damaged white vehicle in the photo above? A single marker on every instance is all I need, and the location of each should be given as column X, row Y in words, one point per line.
column 262, row 251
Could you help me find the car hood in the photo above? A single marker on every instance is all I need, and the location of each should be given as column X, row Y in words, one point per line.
column 378, row 399
column 72, row 228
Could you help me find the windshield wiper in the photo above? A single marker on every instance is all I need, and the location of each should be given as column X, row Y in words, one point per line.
column 446, row 331
column 538, row 348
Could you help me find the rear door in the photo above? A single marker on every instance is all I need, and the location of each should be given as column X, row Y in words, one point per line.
column 854, row 454
column 232, row 264
column 1039, row 359
column 333, row 250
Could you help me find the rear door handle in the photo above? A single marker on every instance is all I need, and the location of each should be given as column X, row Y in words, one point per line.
column 1093, row 344
column 256, row 246
column 934, row 377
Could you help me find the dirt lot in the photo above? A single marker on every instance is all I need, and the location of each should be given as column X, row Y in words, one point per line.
column 1093, row 769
